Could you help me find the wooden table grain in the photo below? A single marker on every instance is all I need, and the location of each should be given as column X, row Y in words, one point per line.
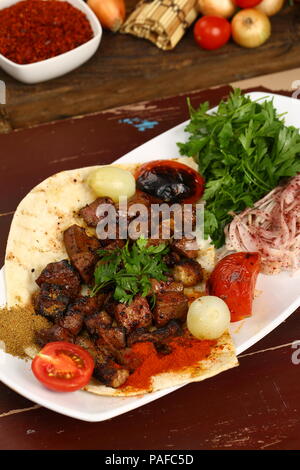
column 254, row 406
column 127, row 70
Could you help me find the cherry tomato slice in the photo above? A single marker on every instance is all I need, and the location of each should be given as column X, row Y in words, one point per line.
column 233, row 280
column 247, row 3
column 63, row 366
column 170, row 181
column 212, row 32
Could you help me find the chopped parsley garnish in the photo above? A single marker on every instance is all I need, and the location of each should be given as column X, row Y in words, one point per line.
column 128, row 270
column 243, row 150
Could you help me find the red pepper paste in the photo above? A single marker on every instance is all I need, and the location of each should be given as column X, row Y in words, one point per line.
column 186, row 352
column 35, row 30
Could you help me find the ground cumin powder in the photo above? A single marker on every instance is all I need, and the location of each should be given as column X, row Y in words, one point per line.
column 17, row 328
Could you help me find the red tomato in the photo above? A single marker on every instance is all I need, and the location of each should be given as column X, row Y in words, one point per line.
column 63, row 366
column 233, row 280
column 212, row 32
column 170, row 181
column 247, row 3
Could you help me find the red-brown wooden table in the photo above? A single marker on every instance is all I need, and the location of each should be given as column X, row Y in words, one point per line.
column 254, row 406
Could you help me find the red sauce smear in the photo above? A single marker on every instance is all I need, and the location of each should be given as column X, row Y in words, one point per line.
column 186, row 352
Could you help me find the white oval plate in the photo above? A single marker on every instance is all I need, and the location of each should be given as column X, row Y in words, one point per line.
column 279, row 297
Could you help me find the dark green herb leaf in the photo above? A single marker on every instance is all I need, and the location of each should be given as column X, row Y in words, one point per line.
column 130, row 269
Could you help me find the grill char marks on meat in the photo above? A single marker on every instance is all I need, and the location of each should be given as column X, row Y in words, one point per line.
column 73, row 319
column 55, row 333
column 61, row 274
column 135, row 315
column 97, row 320
column 188, row 272
column 88, row 213
column 107, row 371
column 51, row 301
column 167, row 332
column 160, row 337
column 170, row 306
column 86, row 343
column 165, row 286
column 111, row 337
column 186, row 247
column 81, row 250
column 110, row 374
column 171, row 259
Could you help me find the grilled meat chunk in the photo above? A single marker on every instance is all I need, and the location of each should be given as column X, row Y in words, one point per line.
column 86, row 343
column 81, row 250
column 169, row 306
column 85, row 264
column 165, row 286
column 111, row 337
column 88, row 213
column 135, row 315
column 61, row 274
column 188, row 272
column 97, row 320
column 138, row 198
column 73, row 319
column 171, row 259
column 55, row 333
column 51, row 301
column 186, row 247
column 128, row 358
column 169, row 331
column 77, row 241
column 110, row 374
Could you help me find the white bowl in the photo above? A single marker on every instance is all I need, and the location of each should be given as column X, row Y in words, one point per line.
column 61, row 64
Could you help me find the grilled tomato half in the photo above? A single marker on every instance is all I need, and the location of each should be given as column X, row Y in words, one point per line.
column 233, row 280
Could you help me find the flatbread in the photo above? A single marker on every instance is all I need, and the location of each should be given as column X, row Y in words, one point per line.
column 36, row 239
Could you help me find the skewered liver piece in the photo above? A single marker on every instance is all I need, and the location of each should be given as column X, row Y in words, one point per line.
column 107, row 371
column 97, row 320
column 111, row 337
column 110, row 374
column 62, row 274
column 170, row 306
column 135, row 315
column 51, row 301
column 86, row 343
column 88, row 213
column 73, row 319
column 55, row 333
column 139, row 335
column 81, row 250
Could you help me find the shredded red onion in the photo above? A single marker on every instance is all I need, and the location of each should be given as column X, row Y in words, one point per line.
column 271, row 227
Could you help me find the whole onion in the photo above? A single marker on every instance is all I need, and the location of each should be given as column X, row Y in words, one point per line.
column 111, row 13
column 223, row 8
column 250, row 28
column 270, row 7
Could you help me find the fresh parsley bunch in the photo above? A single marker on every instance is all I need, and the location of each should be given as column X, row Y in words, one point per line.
column 129, row 270
column 243, row 150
